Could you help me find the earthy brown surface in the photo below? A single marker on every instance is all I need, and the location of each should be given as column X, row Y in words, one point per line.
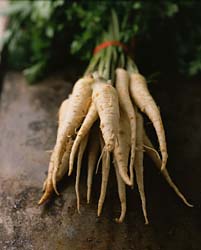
column 28, row 129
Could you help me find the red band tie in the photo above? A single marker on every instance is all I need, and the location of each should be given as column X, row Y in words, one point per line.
column 109, row 43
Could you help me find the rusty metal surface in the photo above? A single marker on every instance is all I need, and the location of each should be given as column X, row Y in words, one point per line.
column 28, row 129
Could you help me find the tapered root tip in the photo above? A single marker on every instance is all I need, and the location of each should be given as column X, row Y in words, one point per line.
column 127, row 180
column 78, row 205
column 99, row 210
column 145, row 217
column 55, row 187
column 78, row 210
column 146, row 222
column 47, row 194
column 175, row 188
column 125, row 177
column 70, row 171
column 88, row 198
column 121, row 218
column 44, row 198
column 185, row 201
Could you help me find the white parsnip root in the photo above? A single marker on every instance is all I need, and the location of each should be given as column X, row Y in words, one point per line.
column 94, row 146
column 145, row 102
column 122, row 86
column 47, row 186
column 106, row 100
column 139, row 168
column 105, row 177
column 82, row 148
column 78, row 105
column 122, row 148
column 89, row 120
column 102, row 118
column 122, row 194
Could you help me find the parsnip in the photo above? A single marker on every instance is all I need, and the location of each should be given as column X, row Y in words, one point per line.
column 47, row 186
column 122, row 194
column 105, row 98
column 78, row 105
column 105, row 176
column 94, row 146
column 139, row 164
column 122, row 148
column 122, row 86
column 82, row 148
column 55, row 173
column 143, row 99
column 89, row 120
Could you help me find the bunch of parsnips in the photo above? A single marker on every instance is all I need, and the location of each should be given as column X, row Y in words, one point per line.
column 103, row 114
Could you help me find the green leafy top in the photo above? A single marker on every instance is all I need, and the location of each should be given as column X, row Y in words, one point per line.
column 42, row 33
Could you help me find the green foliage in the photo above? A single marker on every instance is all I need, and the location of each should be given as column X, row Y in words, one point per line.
column 33, row 29
column 42, row 33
